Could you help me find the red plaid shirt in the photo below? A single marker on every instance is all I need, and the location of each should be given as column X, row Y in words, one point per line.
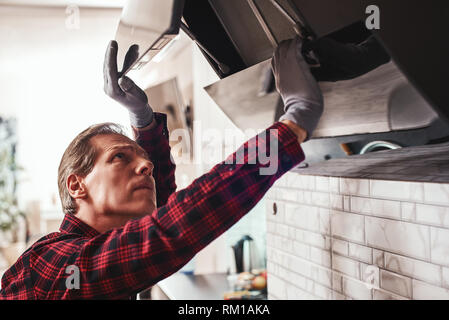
column 122, row 262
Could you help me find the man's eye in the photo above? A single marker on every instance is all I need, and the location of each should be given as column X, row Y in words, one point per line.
column 119, row 155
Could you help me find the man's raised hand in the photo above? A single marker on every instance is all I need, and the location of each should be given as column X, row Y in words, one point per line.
column 122, row 89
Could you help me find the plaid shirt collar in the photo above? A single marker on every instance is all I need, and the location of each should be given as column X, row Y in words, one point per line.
column 72, row 224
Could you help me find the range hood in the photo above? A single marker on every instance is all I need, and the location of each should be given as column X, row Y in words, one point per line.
column 238, row 38
column 409, row 92
column 380, row 101
column 151, row 24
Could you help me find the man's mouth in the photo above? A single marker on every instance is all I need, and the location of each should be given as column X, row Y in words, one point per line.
column 144, row 185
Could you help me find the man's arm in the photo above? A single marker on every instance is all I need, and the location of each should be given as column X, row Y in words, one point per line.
column 124, row 261
column 154, row 139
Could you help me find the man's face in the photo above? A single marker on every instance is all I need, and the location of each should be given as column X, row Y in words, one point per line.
column 121, row 181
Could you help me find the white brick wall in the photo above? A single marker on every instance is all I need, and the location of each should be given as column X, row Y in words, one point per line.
column 339, row 238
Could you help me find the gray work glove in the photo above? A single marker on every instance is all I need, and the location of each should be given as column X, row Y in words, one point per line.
column 122, row 89
column 302, row 97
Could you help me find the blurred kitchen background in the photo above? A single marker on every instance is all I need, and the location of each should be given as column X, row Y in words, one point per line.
column 52, row 88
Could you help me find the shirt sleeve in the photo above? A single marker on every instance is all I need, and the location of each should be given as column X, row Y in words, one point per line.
column 125, row 261
column 156, row 143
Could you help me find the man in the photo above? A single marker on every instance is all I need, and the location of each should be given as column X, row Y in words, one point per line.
column 125, row 228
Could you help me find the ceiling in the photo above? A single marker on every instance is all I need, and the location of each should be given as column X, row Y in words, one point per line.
column 65, row 3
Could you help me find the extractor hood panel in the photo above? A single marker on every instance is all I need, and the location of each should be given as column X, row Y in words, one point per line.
column 367, row 104
column 414, row 33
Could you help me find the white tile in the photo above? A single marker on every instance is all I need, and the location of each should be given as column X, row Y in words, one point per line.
column 291, row 232
column 321, row 257
column 408, row 211
column 397, row 190
column 445, row 279
column 287, row 195
column 272, row 268
column 357, row 187
column 348, row 226
column 279, row 257
column 440, row 245
column 312, row 238
column 336, row 201
column 346, row 266
column 288, row 179
column 370, row 275
column 324, row 221
column 277, row 287
column 337, row 282
column 300, row 235
column 431, row 214
column 360, row 205
column 378, row 258
column 296, row 279
column 283, row 274
column 299, row 265
column 322, row 291
column 425, row 291
column 436, row 193
column 282, row 230
column 307, row 197
column 384, row 295
column 396, row 283
column 340, row 247
column 322, row 184
column 302, row 182
column 338, row 296
column 400, row 237
column 283, row 244
column 301, row 250
column 361, row 253
column 271, row 227
column 321, row 275
column 347, row 203
column 413, row 268
column 356, row 289
column 321, row 199
column 301, row 216
column 334, row 185
column 300, row 196
column 294, row 293
column 386, row 208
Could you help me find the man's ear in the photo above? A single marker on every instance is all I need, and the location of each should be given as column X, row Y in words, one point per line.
column 76, row 187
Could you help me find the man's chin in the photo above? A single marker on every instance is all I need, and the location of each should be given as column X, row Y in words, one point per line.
column 146, row 210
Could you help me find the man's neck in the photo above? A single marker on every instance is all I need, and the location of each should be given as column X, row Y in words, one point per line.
column 100, row 222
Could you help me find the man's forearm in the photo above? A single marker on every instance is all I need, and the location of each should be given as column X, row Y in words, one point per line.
column 152, row 125
column 297, row 130
column 155, row 140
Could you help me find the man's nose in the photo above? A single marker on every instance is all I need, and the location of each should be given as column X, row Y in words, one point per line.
column 145, row 167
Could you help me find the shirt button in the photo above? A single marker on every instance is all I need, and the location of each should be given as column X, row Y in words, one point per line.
column 231, row 167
